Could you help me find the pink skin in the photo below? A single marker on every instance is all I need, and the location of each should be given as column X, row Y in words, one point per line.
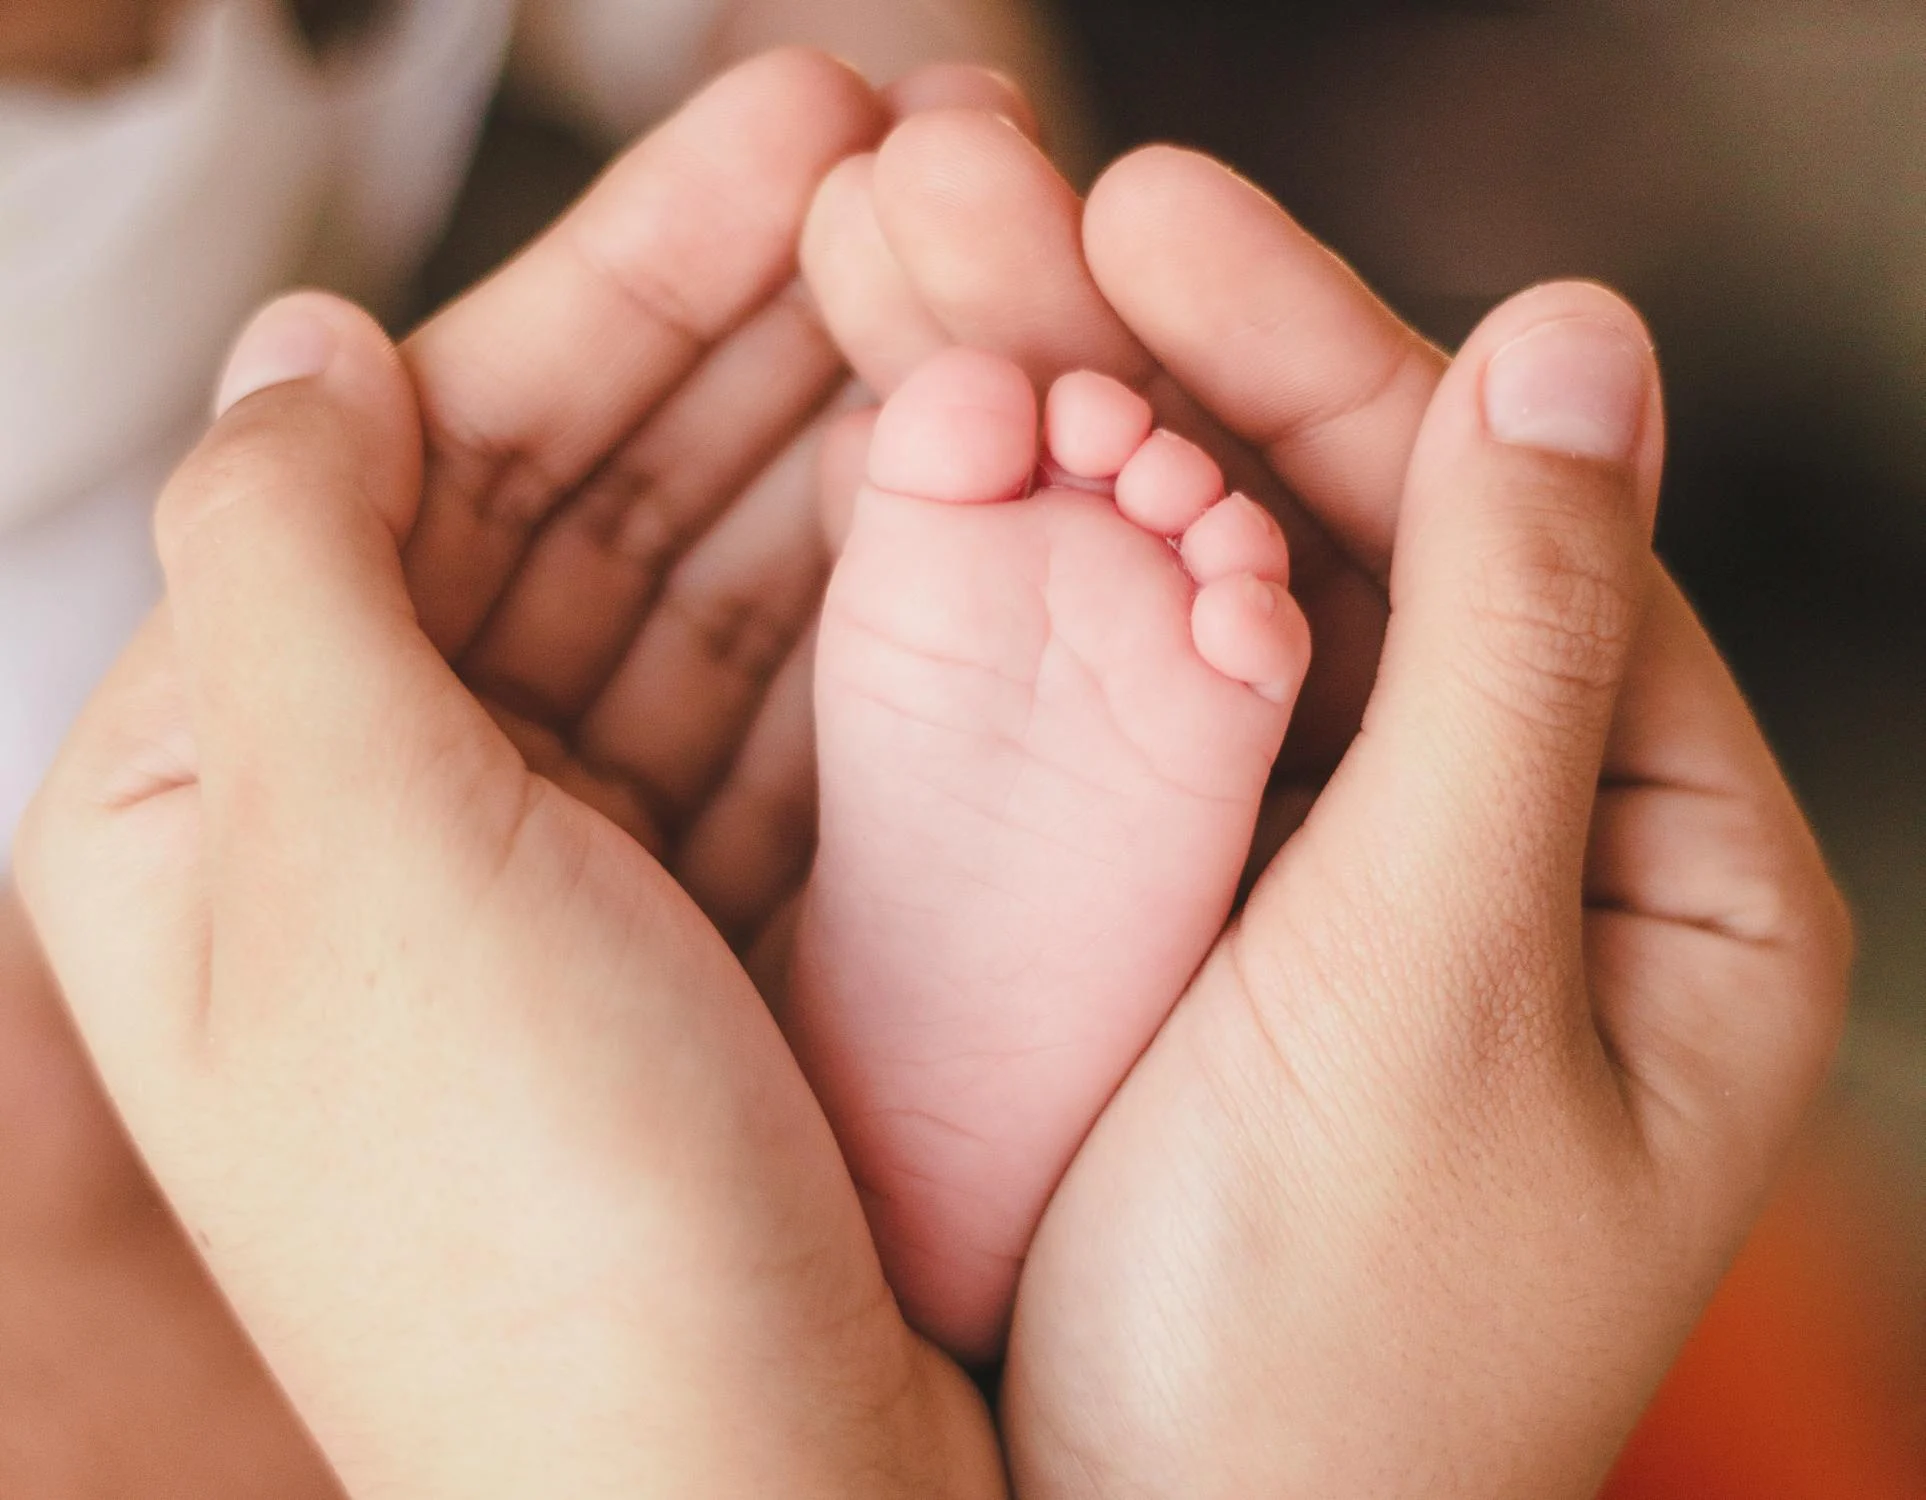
column 1045, row 723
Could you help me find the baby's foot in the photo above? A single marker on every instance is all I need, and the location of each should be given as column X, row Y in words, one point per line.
column 1045, row 725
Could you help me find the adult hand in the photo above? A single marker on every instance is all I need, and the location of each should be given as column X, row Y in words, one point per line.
column 611, row 399
column 1428, row 1175
column 619, row 542
column 484, row 1131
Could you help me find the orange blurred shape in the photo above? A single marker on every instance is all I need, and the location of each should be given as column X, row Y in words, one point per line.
column 1803, row 1382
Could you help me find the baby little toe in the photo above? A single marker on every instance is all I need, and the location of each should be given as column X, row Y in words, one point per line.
column 1251, row 630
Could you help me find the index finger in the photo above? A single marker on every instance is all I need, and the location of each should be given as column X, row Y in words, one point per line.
column 526, row 382
column 1271, row 332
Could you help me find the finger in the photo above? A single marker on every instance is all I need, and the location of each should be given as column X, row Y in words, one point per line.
column 1026, row 292
column 866, row 299
column 676, row 709
column 575, row 603
column 1521, row 575
column 987, row 232
column 963, row 86
column 530, row 380
column 750, row 850
column 280, row 539
column 1698, row 843
column 1272, row 333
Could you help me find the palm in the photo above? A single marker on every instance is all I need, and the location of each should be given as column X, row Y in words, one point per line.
column 536, row 871
column 636, row 1100
column 619, row 545
column 639, row 638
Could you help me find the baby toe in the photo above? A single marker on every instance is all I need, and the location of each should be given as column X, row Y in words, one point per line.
column 1092, row 424
column 1251, row 630
column 961, row 429
column 1237, row 535
column 1167, row 484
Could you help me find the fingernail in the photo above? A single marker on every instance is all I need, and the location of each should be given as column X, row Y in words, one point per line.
column 1575, row 386
column 288, row 340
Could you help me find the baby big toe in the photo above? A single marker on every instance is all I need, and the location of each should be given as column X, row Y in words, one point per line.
column 1251, row 630
column 1092, row 424
column 962, row 429
column 1167, row 484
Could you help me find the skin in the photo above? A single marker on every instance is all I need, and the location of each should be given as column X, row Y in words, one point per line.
column 1421, row 1262
column 639, row 1111
column 77, row 43
column 1029, row 736
column 734, row 762
column 1433, row 1167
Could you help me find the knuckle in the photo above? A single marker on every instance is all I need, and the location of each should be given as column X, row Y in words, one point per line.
column 236, row 467
column 498, row 477
column 1555, row 608
column 629, row 508
column 271, row 452
column 654, row 299
column 1781, row 902
column 646, row 528
column 1782, row 894
column 1838, row 930
column 736, row 631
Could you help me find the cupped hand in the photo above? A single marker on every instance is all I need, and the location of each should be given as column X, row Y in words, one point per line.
column 1429, row 1173
column 620, row 544
column 481, row 1126
column 614, row 434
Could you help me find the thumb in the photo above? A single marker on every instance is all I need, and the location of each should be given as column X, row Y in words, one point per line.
column 285, row 632
column 302, row 666
column 1519, row 580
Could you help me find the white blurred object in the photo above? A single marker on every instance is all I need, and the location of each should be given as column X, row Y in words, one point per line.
column 136, row 229
column 139, row 226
